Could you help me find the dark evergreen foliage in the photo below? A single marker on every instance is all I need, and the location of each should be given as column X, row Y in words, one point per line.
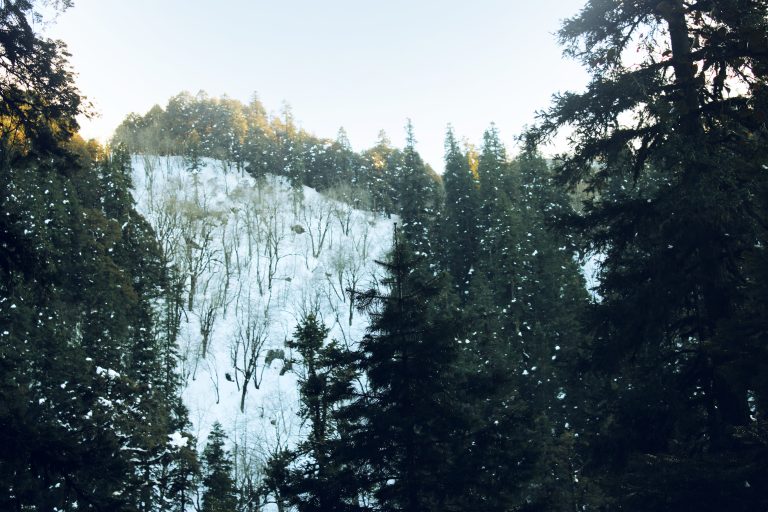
column 85, row 406
column 489, row 378
column 315, row 481
column 219, row 493
column 461, row 229
column 405, row 433
column 418, row 197
column 670, row 148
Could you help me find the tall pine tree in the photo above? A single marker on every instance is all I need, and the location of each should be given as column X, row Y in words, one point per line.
column 219, row 493
column 669, row 142
column 405, row 432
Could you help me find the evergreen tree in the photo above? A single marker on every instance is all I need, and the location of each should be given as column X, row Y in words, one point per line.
column 524, row 301
column 84, row 424
column 669, row 145
column 182, row 467
column 40, row 101
column 404, row 435
column 500, row 219
column 317, row 481
column 381, row 162
column 417, row 196
column 219, row 493
column 462, row 208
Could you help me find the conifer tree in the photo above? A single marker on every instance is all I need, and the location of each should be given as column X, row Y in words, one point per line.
column 316, row 481
column 182, row 466
column 381, row 164
column 405, row 432
column 85, row 426
column 500, row 219
column 462, row 215
column 219, row 493
column 670, row 146
column 417, row 197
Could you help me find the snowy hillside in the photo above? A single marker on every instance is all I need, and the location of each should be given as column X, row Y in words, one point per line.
column 254, row 256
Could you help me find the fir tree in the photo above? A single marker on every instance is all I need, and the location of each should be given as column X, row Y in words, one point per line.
column 462, row 207
column 670, row 145
column 404, row 433
column 417, row 196
column 317, row 481
column 219, row 493
column 500, row 219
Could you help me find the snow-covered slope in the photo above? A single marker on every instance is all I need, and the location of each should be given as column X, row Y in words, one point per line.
column 255, row 256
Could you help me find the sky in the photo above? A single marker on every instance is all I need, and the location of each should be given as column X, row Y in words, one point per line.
column 359, row 64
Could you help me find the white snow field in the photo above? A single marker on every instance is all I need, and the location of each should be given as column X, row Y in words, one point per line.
column 255, row 256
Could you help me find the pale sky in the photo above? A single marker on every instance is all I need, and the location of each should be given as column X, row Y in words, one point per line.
column 359, row 64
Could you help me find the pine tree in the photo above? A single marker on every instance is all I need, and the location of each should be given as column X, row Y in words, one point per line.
column 418, row 197
column 316, row 481
column 219, row 494
column 462, row 207
column 669, row 145
column 405, row 433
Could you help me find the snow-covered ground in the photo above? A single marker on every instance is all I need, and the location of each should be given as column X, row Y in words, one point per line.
column 256, row 255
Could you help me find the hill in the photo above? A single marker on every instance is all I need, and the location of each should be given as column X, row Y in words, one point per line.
column 250, row 258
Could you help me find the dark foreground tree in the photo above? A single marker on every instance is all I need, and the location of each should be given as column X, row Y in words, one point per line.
column 316, row 481
column 219, row 493
column 85, row 399
column 670, row 145
column 405, row 432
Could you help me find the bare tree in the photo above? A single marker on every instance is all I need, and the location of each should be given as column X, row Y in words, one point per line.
column 211, row 306
column 353, row 271
column 316, row 215
column 273, row 223
column 278, row 434
column 248, row 467
column 247, row 346
column 197, row 230
column 346, row 199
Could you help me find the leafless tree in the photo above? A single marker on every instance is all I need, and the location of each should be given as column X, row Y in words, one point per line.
column 346, row 199
column 316, row 216
column 247, row 346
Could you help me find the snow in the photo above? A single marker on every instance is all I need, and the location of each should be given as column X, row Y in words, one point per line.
column 176, row 440
column 237, row 233
column 107, row 372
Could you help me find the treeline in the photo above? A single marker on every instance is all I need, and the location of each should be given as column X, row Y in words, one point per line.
column 247, row 138
column 461, row 396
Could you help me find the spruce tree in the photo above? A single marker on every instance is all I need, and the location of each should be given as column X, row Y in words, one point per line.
column 669, row 145
column 500, row 220
column 405, row 433
column 316, row 481
column 462, row 216
column 417, row 196
column 219, row 493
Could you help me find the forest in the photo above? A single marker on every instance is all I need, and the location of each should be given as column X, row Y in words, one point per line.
column 219, row 311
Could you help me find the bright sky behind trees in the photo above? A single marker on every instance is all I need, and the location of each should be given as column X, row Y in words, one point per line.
column 359, row 64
